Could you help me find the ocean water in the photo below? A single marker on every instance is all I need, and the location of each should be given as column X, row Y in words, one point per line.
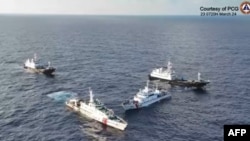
column 114, row 55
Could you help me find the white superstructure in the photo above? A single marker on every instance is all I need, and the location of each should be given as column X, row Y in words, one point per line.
column 144, row 98
column 94, row 109
column 31, row 63
column 165, row 73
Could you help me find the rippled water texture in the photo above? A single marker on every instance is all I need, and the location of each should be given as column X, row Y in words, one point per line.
column 114, row 56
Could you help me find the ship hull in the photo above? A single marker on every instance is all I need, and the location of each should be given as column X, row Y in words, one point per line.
column 183, row 83
column 132, row 106
column 154, row 76
column 47, row 71
column 100, row 118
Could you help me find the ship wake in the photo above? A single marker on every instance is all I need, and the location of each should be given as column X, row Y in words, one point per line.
column 62, row 96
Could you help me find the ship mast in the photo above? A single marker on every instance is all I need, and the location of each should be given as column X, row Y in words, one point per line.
column 199, row 76
column 169, row 66
column 169, row 70
column 49, row 64
column 146, row 88
column 35, row 57
column 91, row 100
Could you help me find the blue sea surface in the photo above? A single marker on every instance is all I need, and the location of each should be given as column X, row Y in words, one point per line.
column 114, row 55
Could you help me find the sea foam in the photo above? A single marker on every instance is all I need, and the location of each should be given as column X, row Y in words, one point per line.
column 62, row 96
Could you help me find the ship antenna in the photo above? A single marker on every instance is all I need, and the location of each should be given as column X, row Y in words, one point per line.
column 91, row 96
column 49, row 64
column 169, row 65
column 35, row 57
column 146, row 88
column 199, row 76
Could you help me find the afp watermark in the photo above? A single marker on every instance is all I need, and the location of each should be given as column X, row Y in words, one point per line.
column 236, row 132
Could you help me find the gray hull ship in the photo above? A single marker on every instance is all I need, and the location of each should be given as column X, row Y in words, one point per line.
column 33, row 65
column 168, row 75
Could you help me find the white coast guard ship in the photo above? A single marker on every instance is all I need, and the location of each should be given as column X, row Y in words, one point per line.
column 32, row 64
column 94, row 109
column 144, row 98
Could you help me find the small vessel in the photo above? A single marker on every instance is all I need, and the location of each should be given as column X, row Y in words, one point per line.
column 167, row 74
column 96, row 110
column 145, row 97
column 32, row 64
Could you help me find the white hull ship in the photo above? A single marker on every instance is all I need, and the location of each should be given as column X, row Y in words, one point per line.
column 94, row 109
column 145, row 98
column 167, row 74
column 32, row 64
